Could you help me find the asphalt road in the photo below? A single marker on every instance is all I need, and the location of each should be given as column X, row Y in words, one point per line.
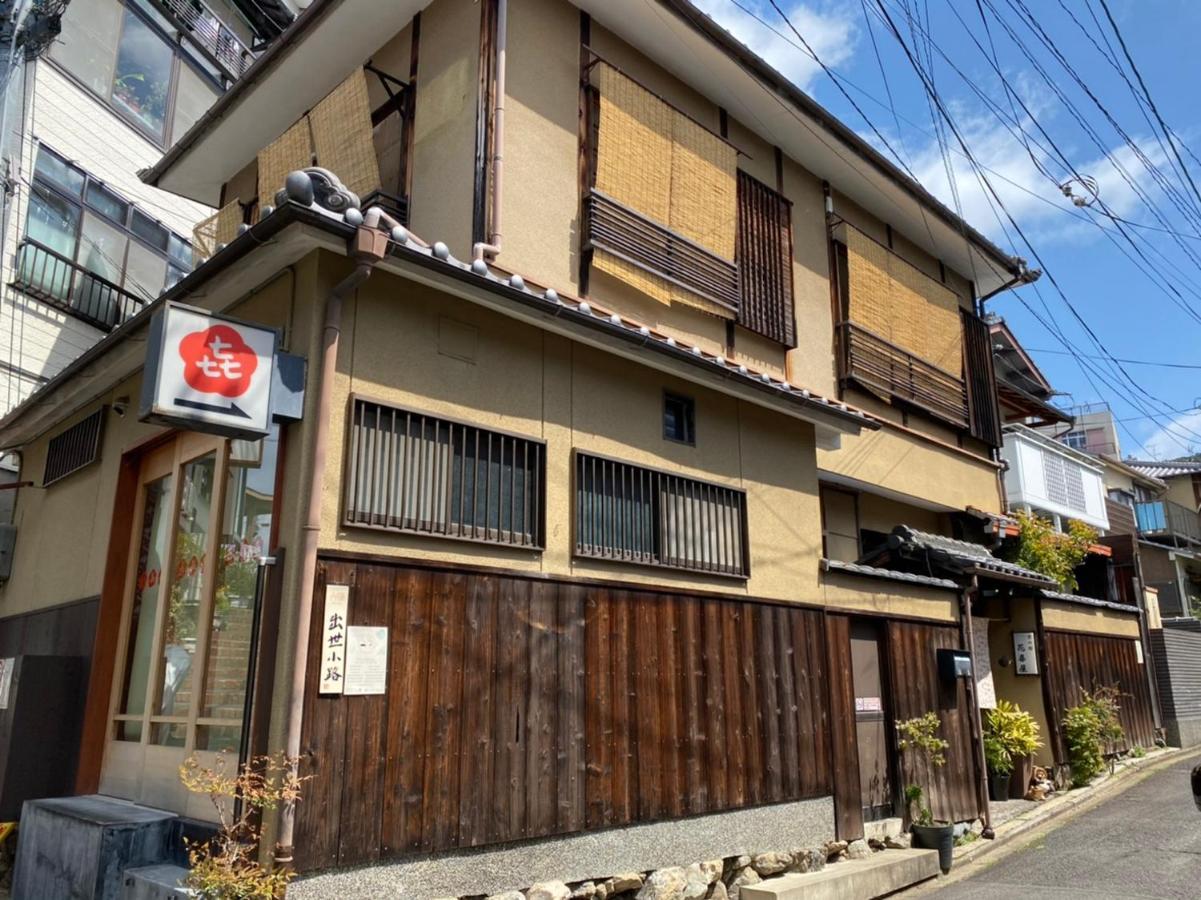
column 1144, row 842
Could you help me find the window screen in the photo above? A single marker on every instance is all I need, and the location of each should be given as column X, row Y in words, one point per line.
column 407, row 471
column 633, row 514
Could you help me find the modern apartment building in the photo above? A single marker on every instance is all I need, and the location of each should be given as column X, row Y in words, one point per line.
column 84, row 243
column 650, row 423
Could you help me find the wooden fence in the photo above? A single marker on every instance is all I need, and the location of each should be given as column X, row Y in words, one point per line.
column 1076, row 663
column 519, row 708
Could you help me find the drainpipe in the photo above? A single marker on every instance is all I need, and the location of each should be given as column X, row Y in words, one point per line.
column 369, row 246
column 492, row 248
column 965, row 623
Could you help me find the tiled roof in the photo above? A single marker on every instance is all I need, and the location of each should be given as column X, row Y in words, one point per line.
column 1090, row 601
column 834, row 565
column 964, row 556
column 1165, row 468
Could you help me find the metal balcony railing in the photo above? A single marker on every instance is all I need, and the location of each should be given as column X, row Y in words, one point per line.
column 210, row 33
column 1166, row 519
column 58, row 281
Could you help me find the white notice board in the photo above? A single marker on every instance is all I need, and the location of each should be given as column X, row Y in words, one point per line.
column 333, row 638
column 366, row 660
column 986, row 691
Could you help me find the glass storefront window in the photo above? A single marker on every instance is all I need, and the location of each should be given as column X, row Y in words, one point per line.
column 245, row 537
column 148, row 587
column 181, row 626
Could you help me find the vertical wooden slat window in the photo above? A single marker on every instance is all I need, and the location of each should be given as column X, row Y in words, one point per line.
column 75, row 448
column 408, row 471
column 633, row 514
column 765, row 261
column 981, row 378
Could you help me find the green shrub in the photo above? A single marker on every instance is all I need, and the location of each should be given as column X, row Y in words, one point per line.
column 1054, row 554
column 1009, row 732
column 1092, row 731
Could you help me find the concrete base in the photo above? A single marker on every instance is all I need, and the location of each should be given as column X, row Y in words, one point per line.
column 1183, row 732
column 579, row 857
column 853, row 879
column 160, row 882
column 879, row 829
column 78, row 847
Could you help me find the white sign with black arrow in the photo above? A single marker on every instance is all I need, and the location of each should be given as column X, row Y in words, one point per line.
column 208, row 373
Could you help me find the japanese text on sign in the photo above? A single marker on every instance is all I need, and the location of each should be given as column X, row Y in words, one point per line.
column 333, row 638
column 1025, row 659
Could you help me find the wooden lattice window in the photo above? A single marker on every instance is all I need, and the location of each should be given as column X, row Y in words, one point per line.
column 634, row 514
column 409, row 471
column 765, row 261
column 75, row 448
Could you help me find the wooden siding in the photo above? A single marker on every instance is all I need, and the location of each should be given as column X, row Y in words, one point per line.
column 765, row 261
column 524, row 707
column 1075, row 663
column 916, row 689
column 981, row 379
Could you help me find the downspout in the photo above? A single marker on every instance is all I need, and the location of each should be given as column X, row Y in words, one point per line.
column 369, row 246
column 492, row 248
column 978, row 759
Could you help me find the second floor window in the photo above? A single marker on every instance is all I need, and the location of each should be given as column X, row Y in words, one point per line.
column 1078, row 440
column 139, row 63
column 91, row 251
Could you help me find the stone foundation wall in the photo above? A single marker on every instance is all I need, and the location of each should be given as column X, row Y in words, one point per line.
column 582, row 857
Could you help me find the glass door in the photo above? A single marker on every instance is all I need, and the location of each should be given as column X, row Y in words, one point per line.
column 202, row 521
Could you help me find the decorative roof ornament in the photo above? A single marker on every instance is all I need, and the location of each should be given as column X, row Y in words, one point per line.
column 317, row 187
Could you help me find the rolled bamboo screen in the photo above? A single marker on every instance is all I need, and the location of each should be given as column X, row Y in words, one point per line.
column 219, row 228
column 342, row 135
column 658, row 162
column 896, row 301
column 292, row 150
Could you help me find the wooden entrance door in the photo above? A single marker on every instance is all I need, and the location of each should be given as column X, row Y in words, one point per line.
column 873, row 734
column 200, row 523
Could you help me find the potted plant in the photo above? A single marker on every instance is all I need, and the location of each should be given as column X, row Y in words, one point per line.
column 1000, row 766
column 919, row 738
column 1013, row 733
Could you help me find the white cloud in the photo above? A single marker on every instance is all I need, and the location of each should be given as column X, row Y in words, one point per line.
column 829, row 30
column 1016, row 172
column 1176, row 439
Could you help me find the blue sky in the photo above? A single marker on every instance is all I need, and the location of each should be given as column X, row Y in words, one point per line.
column 1135, row 315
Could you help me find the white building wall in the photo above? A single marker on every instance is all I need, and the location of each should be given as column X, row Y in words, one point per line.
column 37, row 340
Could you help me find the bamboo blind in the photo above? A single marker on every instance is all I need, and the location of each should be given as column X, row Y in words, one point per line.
column 891, row 298
column 219, row 228
column 292, row 150
column 342, row 135
column 654, row 159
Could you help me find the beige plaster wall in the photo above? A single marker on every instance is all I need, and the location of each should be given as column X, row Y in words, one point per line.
column 1180, row 490
column 541, row 190
column 908, row 465
column 884, row 514
column 395, row 344
column 444, row 124
column 881, row 597
column 1017, row 614
column 1091, row 620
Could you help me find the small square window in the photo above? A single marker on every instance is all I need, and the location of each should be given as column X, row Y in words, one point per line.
column 679, row 418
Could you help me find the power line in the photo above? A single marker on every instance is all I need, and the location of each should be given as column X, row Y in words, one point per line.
column 990, row 190
column 1129, row 362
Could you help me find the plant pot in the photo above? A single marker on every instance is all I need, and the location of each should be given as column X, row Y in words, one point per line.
column 998, row 786
column 1019, row 781
column 940, row 837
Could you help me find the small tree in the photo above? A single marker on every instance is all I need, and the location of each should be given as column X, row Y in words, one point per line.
column 919, row 737
column 226, row 867
column 1049, row 552
column 1093, row 731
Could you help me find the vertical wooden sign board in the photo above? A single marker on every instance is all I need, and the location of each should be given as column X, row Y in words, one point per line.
column 333, row 638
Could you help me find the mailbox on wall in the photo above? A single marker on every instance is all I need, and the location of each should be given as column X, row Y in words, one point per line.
column 953, row 664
